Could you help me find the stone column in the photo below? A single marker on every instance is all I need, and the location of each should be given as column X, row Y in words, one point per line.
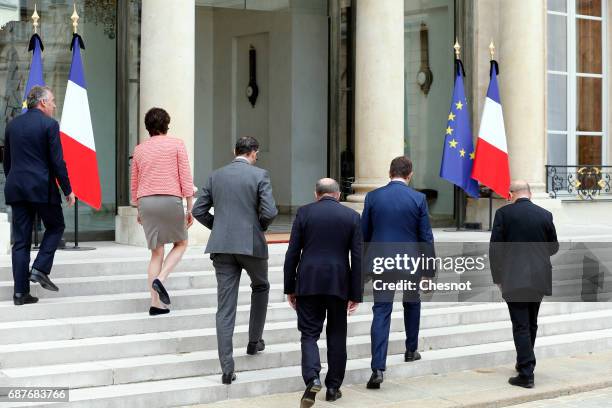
column 379, row 92
column 167, row 80
column 522, row 58
column 167, row 65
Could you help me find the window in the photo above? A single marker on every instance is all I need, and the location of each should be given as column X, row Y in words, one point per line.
column 577, row 78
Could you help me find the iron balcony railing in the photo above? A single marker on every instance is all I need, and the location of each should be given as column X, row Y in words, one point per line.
column 584, row 182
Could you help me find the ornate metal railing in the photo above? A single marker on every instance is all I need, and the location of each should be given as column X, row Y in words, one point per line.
column 584, row 182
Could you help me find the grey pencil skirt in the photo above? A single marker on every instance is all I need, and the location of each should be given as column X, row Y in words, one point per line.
column 163, row 219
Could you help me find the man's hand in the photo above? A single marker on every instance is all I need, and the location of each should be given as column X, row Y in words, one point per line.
column 499, row 286
column 352, row 307
column 71, row 199
column 138, row 219
column 188, row 219
column 292, row 299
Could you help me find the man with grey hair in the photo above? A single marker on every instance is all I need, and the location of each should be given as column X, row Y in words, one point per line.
column 320, row 281
column 522, row 241
column 34, row 166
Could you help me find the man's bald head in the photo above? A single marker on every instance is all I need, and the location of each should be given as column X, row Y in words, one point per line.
column 327, row 187
column 519, row 189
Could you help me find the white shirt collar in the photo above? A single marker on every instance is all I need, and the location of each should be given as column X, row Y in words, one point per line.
column 399, row 179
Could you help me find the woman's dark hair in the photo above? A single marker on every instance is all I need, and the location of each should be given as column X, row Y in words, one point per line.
column 156, row 121
column 400, row 167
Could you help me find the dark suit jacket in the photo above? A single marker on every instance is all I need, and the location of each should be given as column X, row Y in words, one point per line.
column 33, row 160
column 396, row 213
column 317, row 260
column 522, row 241
column 244, row 207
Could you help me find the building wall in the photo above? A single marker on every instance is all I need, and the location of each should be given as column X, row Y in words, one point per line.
column 521, row 52
column 98, row 56
column 204, row 103
column 290, row 116
column 275, row 152
column 309, row 114
column 426, row 115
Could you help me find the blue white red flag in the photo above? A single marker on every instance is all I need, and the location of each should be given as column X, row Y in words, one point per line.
column 491, row 165
column 76, row 133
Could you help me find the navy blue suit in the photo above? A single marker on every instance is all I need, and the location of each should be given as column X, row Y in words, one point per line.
column 34, row 166
column 318, row 271
column 392, row 214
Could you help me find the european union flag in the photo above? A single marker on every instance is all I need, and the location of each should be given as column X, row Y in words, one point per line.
column 458, row 154
column 36, row 68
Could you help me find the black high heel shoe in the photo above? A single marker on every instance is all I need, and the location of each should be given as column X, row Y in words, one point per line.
column 159, row 288
column 154, row 311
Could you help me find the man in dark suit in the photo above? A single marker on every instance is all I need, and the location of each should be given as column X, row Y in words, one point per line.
column 522, row 241
column 241, row 195
column 320, row 281
column 396, row 213
column 34, row 166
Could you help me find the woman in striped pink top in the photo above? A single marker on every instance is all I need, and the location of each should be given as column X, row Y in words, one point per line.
column 161, row 178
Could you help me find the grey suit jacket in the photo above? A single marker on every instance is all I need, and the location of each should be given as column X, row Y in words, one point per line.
column 241, row 195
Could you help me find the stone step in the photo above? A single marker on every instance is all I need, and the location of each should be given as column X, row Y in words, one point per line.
column 76, row 306
column 185, row 341
column 100, row 285
column 95, row 266
column 201, row 363
column 203, row 389
column 123, row 303
column 207, row 296
column 67, row 328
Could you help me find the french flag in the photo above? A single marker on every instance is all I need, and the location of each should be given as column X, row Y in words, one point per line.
column 76, row 133
column 491, row 166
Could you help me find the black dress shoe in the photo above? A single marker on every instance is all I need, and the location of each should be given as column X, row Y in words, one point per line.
column 21, row 299
column 521, row 381
column 412, row 356
column 154, row 311
column 333, row 394
column 255, row 346
column 310, row 395
column 159, row 288
column 42, row 278
column 375, row 380
column 228, row 378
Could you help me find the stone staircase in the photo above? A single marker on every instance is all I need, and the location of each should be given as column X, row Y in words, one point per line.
column 95, row 336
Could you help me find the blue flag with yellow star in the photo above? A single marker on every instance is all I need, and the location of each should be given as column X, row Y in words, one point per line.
column 458, row 153
column 36, row 68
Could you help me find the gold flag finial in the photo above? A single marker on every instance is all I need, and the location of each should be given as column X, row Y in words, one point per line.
column 492, row 50
column 35, row 18
column 75, row 19
column 457, row 48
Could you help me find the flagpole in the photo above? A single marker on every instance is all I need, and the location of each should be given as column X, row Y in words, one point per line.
column 76, row 247
column 460, row 196
column 492, row 52
column 35, row 18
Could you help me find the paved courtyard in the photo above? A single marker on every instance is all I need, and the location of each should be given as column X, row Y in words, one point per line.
column 487, row 387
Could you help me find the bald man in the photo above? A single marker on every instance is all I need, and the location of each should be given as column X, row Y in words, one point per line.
column 320, row 281
column 522, row 241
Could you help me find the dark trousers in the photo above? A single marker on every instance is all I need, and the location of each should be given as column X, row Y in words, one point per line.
column 381, row 324
column 524, row 316
column 311, row 311
column 23, row 220
column 228, row 269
